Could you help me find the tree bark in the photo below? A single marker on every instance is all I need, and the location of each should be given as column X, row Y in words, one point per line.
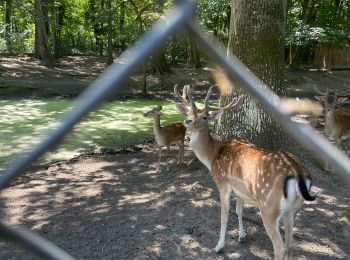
column 257, row 39
column 193, row 57
column 41, row 39
column 8, row 26
column 122, row 42
column 55, row 30
column 174, row 50
column 110, row 34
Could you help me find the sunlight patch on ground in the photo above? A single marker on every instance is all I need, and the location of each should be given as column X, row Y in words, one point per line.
column 188, row 243
column 137, row 199
column 331, row 251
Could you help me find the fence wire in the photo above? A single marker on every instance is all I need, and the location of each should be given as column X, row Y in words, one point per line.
column 180, row 17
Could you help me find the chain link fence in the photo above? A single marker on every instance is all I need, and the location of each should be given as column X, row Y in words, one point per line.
column 179, row 18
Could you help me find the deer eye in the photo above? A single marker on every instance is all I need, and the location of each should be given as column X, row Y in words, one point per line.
column 204, row 118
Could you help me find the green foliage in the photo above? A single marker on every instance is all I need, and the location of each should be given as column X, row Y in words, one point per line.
column 215, row 15
column 322, row 22
column 82, row 24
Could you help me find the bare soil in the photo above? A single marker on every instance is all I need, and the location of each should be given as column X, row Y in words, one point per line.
column 115, row 206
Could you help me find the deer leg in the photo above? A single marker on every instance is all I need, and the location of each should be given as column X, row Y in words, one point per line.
column 159, row 157
column 288, row 221
column 167, row 157
column 271, row 224
column 179, row 157
column 182, row 151
column 239, row 211
column 225, row 193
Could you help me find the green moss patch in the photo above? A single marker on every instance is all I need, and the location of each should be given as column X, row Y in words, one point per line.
column 116, row 125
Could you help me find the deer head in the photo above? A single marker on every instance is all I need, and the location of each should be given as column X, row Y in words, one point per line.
column 330, row 99
column 154, row 112
column 197, row 118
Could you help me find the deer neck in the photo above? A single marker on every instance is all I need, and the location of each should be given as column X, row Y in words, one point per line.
column 204, row 146
column 156, row 126
column 329, row 121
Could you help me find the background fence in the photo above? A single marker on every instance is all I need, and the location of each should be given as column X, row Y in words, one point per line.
column 180, row 17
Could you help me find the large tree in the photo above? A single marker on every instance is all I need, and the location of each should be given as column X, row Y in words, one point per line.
column 257, row 39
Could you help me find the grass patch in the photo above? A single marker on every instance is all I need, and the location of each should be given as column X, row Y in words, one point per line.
column 13, row 90
column 116, row 125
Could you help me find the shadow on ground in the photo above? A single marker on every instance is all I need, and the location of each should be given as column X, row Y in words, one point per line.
column 117, row 207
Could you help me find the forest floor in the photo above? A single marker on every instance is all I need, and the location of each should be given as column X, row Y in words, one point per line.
column 115, row 206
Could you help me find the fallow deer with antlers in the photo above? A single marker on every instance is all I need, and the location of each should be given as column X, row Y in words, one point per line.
column 337, row 119
column 276, row 182
column 165, row 136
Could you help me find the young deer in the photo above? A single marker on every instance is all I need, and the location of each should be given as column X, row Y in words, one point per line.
column 165, row 136
column 276, row 182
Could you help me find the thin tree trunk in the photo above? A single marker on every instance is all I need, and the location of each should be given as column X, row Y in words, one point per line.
column 8, row 25
column 100, row 47
column 174, row 50
column 122, row 42
column 54, row 29
column 41, row 42
column 110, row 34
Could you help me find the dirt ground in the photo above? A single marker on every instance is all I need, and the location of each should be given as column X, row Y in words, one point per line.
column 114, row 206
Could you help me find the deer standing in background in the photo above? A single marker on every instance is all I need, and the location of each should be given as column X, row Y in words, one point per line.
column 165, row 136
column 337, row 119
column 276, row 182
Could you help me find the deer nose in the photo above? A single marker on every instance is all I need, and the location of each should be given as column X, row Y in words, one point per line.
column 188, row 121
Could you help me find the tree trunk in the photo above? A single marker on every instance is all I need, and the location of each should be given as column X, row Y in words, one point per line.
column 159, row 63
column 101, row 32
column 54, row 30
column 257, row 39
column 193, row 57
column 174, row 50
column 8, row 26
column 41, row 41
column 190, row 56
column 122, row 43
column 110, row 34
column 308, row 16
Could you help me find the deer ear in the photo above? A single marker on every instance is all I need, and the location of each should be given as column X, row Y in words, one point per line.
column 319, row 98
column 182, row 109
column 343, row 99
column 215, row 115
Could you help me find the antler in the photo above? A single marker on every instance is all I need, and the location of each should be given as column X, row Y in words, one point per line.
column 188, row 94
column 206, row 101
column 319, row 92
column 184, row 93
column 234, row 103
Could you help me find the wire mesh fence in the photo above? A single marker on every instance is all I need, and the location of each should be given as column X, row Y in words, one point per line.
column 180, row 17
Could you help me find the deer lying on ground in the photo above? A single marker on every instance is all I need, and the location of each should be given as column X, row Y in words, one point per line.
column 276, row 182
column 165, row 136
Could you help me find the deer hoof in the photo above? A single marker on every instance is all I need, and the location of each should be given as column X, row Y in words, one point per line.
column 241, row 239
column 217, row 249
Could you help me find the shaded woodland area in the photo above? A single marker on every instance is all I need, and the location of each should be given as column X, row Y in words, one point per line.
column 317, row 32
